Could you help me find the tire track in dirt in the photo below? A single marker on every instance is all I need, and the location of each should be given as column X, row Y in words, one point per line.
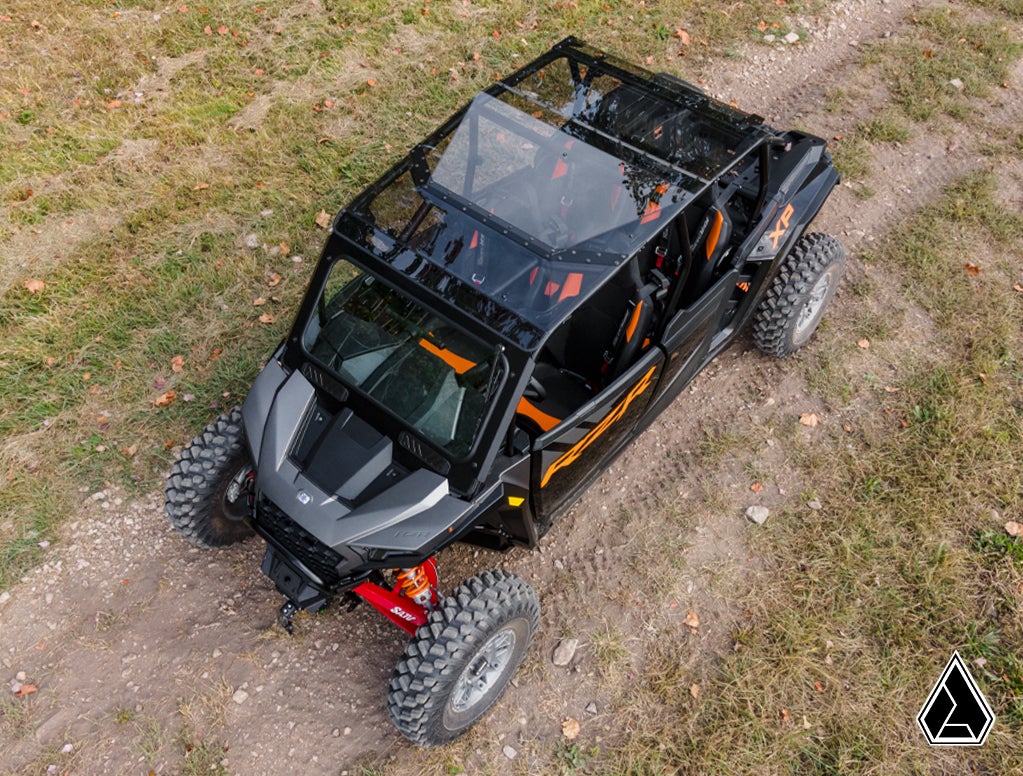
column 189, row 629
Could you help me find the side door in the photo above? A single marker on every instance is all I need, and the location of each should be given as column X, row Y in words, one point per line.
column 687, row 338
column 567, row 457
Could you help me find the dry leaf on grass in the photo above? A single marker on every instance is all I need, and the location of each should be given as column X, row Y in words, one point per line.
column 570, row 729
column 26, row 689
column 809, row 419
column 692, row 619
column 323, row 219
column 34, row 286
column 165, row 398
column 259, row 301
column 756, row 487
column 1013, row 528
column 971, row 269
column 266, row 318
column 275, row 278
column 694, row 690
column 863, row 343
column 178, row 364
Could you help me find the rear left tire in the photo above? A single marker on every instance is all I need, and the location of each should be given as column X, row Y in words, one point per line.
column 796, row 301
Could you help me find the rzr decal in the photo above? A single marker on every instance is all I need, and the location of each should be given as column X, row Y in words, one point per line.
column 572, row 455
column 781, row 225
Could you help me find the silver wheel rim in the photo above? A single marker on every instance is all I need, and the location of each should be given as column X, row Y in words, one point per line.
column 814, row 305
column 483, row 671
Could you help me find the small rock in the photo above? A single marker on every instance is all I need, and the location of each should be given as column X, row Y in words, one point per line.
column 252, row 241
column 558, row 564
column 48, row 598
column 757, row 514
column 769, row 39
column 510, row 753
column 792, row 37
column 217, row 653
column 336, row 732
column 240, row 696
column 347, row 731
column 4, row 597
column 565, row 651
column 956, row 83
column 591, row 707
column 20, row 676
column 67, row 749
column 816, row 506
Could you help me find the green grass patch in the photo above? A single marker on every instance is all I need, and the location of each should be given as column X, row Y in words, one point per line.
column 905, row 562
column 952, row 61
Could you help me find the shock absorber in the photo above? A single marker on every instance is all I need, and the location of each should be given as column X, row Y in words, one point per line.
column 416, row 583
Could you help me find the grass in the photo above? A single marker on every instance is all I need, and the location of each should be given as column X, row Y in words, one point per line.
column 291, row 110
column 905, row 561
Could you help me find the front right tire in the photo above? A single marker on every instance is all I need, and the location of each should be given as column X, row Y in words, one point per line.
column 207, row 494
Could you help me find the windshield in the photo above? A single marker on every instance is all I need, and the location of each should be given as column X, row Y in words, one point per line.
column 430, row 375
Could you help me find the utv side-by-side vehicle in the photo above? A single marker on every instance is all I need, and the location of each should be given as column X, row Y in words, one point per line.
column 490, row 324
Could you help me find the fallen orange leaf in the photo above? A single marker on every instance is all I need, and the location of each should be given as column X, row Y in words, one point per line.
column 1013, row 528
column 178, row 364
column 809, row 419
column 694, row 690
column 165, row 398
column 692, row 619
column 683, row 36
column 266, row 318
column 258, row 301
column 200, row 186
column 756, row 487
column 34, row 286
column 863, row 343
column 26, row 689
column 275, row 279
column 323, row 219
column 223, row 29
column 570, row 728
column 971, row 269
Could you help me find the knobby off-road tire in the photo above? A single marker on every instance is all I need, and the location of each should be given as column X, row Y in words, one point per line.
column 199, row 495
column 460, row 661
column 795, row 303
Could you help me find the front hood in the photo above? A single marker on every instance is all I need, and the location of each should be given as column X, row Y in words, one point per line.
column 335, row 475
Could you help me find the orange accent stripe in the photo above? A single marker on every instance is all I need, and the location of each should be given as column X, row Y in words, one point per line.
column 475, row 240
column 542, row 419
column 653, row 211
column 715, row 233
column 559, row 169
column 633, row 321
column 532, row 275
column 455, row 361
column 573, row 284
column 572, row 455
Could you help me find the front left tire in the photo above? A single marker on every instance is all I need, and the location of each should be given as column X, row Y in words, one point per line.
column 461, row 660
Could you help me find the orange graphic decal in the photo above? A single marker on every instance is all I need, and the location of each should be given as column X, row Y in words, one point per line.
column 453, row 360
column 542, row 419
column 781, row 226
column 616, row 414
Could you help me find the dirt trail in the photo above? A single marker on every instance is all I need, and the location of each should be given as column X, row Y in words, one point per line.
column 130, row 635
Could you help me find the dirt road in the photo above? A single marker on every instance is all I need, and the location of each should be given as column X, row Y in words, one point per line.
column 141, row 646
